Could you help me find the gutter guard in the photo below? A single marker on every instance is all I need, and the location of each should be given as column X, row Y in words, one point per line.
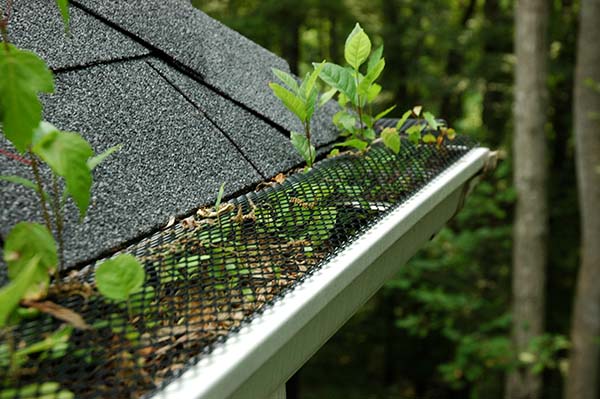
column 256, row 361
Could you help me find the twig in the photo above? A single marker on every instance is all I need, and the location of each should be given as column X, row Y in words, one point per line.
column 40, row 190
column 58, row 219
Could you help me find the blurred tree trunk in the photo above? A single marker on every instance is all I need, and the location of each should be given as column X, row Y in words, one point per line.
column 582, row 380
column 531, row 215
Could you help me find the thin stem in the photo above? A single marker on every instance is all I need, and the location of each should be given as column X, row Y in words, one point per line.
column 358, row 106
column 59, row 223
column 40, row 190
column 4, row 24
column 307, row 132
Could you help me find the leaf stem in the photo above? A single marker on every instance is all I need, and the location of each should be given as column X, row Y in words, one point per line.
column 307, row 132
column 358, row 106
column 40, row 190
column 59, row 223
column 4, row 24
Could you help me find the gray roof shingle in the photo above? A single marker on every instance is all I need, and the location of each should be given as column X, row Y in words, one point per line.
column 170, row 163
column 36, row 25
column 186, row 97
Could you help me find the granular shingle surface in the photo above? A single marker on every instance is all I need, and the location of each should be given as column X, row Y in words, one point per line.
column 36, row 25
column 172, row 161
column 263, row 144
column 220, row 56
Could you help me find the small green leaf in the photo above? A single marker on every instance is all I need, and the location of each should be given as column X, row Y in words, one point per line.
column 414, row 133
column 357, row 48
column 391, row 139
column 373, row 92
column 219, row 196
column 431, row 120
column 67, row 154
column 290, row 100
column 354, row 143
column 12, row 293
column 287, row 79
column 98, row 159
column 304, row 148
column 403, row 120
column 309, row 82
column 369, row 134
column 63, row 6
column 325, row 97
column 451, row 133
column 346, row 121
column 370, row 77
column 429, row 138
column 119, row 277
column 374, row 58
column 384, row 113
column 311, row 103
column 341, row 79
column 24, row 242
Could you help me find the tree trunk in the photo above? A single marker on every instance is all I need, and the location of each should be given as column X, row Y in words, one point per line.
column 582, row 380
column 531, row 215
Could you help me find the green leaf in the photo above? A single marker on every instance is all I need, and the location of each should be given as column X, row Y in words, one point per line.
column 311, row 102
column 431, row 120
column 46, row 390
column 63, row 6
column 287, row 79
column 24, row 75
column 290, row 100
column 357, row 48
column 373, row 92
column 414, row 133
column 374, row 58
column 403, row 120
column 370, row 77
column 309, row 82
column 304, row 148
column 98, row 159
column 119, row 277
column 13, row 292
column 325, row 97
column 27, row 241
column 219, row 196
column 429, row 138
column 67, row 154
column 391, row 139
column 354, row 143
column 384, row 113
column 341, row 79
column 451, row 133
column 344, row 120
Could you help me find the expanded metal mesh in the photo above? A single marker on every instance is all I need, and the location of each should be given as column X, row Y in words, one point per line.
column 211, row 273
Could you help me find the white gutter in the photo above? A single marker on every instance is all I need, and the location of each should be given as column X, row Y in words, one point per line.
column 257, row 361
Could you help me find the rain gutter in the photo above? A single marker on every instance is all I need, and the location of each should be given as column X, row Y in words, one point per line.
column 256, row 362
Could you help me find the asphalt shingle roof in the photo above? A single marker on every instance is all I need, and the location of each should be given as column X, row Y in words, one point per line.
column 186, row 97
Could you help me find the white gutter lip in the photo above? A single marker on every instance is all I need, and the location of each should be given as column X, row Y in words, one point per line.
column 219, row 373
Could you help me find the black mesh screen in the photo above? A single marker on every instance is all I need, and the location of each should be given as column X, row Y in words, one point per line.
column 209, row 274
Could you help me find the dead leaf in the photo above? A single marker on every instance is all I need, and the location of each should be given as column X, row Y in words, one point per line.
column 59, row 312
column 171, row 222
column 280, row 178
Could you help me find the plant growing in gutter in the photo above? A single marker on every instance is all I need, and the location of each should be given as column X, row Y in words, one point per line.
column 33, row 252
column 301, row 99
column 357, row 91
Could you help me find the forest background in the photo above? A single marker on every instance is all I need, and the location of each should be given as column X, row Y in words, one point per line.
column 441, row 327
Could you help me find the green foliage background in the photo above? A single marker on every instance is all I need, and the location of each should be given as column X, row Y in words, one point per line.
column 440, row 328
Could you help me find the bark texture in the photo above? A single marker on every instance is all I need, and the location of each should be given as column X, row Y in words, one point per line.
column 530, row 175
column 583, row 376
